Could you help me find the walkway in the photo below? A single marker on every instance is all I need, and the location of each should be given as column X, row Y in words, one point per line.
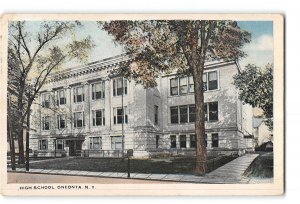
column 229, row 173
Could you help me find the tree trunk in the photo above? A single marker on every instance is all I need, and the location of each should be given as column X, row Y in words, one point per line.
column 12, row 147
column 201, row 154
column 27, row 135
column 11, row 138
column 20, row 142
column 20, row 124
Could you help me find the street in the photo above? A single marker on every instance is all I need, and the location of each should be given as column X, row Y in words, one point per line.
column 44, row 178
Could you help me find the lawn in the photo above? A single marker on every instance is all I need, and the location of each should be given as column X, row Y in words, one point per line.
column 157, row 165
column 261, row 167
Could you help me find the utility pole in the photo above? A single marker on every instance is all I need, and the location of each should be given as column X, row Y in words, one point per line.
column 123, row 117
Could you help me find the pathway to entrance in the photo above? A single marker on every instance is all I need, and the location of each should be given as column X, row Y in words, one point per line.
column 230, row 173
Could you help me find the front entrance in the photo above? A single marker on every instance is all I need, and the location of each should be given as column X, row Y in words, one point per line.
column 74, row 147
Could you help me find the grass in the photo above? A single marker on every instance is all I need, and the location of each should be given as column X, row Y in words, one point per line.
column 261, row 167
column 157, row 165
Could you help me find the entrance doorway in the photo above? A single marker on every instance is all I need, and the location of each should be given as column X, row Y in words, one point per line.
column 74, row 147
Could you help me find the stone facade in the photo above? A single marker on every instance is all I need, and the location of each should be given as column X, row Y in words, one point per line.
column 81, row 120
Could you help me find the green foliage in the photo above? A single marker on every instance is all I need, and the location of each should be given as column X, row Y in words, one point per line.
column 32, row 57
column 168, row 45
column 255, row 87
column 164, row 46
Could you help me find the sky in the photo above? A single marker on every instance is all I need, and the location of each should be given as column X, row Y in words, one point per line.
column 259, row 51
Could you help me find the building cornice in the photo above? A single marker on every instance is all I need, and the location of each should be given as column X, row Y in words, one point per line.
column 114, row 62
column 92, row 67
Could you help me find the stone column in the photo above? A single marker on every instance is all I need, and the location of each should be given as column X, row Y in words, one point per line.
column 209, row 141
column 87, row 108
column 68, row 109
column 177, row 142
column 188, row 141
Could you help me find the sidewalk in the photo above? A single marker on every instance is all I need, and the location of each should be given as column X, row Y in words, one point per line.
column 230, row 173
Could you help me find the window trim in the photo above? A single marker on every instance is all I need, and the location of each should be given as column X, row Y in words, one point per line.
column 41, row 144
column 207, row 80
column 115, row 115
column 180, row 140
column 207, row 119
column 91, row 142
column 179, row 115
column 44, row 100
column 212, row 140
column 59, row 98
column 43, row 123
column 193, row 135
column 115, row 87
column 59, row 119
column 62, row 143
column 111, row 142
column 102, row 92
column 74, row 117
column 102, row 118
column 75, row 94
column 173, row 136
column 205, row 73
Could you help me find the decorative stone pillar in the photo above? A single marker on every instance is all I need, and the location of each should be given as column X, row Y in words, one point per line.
column 87, row 106
column 177, row 141
column 209, row 141
column 188, row 139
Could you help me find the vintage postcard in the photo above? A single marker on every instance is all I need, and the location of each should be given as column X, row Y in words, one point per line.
column 142, row 104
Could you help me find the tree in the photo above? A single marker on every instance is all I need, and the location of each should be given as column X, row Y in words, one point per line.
column 255, row 87
column 158, row 46
column 33, row 56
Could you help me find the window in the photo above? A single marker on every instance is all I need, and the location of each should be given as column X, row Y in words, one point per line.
column 173, row 141
column 61, row 122
column 192, row 113
column 46, row 100
column 46, row 122
column 210, row 80
column 79, row 119
column 98, row 90
column 211, row 111
column 61, row 97
column 215, row 140
column 155, row 115
column 118, row 115
column 78, row 94
column 193, row 141
column 182, row 85
column 191, row 84
column 205, row 139
column 174, row 114
column 98, row 117
column 59, row 144
column 174, row 86
column 116, row 142
column 182, row 141
column 157, row 141
column 183, row 114
column 117, row 86
column 43, row 144
column 95, row 142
